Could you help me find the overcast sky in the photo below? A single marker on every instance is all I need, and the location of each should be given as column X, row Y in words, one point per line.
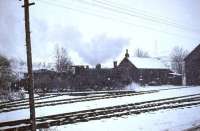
column 98, row 31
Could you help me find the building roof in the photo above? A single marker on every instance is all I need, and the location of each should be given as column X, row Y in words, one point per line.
column 196, row 49
column 147, row 63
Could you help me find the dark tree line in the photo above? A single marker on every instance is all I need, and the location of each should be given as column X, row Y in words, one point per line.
column 6, row 74
column 7, row 77
column 63, row 77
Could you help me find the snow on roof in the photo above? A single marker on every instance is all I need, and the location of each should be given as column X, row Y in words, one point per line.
column 147, row 63
column 176, row 74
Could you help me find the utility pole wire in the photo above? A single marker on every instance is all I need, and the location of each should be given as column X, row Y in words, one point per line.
column 132, row 12
column 146, row 15
column 86, row 11
column 29, row 65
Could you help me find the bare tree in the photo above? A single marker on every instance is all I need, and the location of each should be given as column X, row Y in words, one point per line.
column 63, row 62
column 177, row 57
column 141, row 53
column 6, row 74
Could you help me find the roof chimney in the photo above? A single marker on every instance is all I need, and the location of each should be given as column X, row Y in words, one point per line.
column 126, row 55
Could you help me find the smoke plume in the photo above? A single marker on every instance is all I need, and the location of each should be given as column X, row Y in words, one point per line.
column 44, row 37
column 99, row 49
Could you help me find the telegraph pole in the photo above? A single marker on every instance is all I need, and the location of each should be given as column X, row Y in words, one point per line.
column 29, row 65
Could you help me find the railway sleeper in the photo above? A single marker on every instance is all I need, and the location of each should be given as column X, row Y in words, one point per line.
column 151, row 108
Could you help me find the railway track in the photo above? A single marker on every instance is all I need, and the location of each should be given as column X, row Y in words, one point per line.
column 51, row 95
column 105, row 112
column 24, row 102
column 27, row 99
column 25, row 105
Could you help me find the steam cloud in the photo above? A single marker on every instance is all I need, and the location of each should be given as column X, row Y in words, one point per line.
column 102, row 48
column 44, row 37
column 97, row 50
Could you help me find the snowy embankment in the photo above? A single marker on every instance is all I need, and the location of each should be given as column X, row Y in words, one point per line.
column 58, row 109
column 137, row 87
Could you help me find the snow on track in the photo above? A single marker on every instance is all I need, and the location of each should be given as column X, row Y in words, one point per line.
column 108, row 112
column 170, row 119
column 58, row 98
column 58, row 109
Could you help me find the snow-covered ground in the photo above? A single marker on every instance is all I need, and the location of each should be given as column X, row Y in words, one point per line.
column 137, row 87
column 163, row 120
column 58, row 109
column 57, row 98
column 171, row 119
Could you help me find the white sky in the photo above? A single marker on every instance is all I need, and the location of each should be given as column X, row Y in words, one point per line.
column 92, row 39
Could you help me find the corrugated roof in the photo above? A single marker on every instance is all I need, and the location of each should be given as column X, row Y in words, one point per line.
column 147, row 63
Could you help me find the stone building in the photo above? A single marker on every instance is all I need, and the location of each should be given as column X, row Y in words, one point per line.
column 144, row 70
